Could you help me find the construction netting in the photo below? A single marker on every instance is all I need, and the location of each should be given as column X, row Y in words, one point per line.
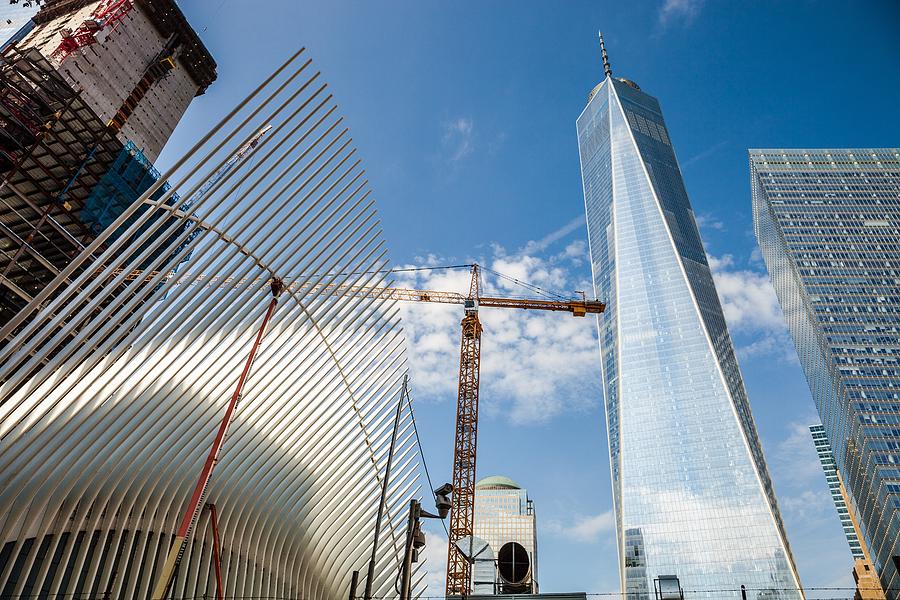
column 131, row 175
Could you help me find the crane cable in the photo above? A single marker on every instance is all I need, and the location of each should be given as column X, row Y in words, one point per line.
column 536, row 289
column 422, row 452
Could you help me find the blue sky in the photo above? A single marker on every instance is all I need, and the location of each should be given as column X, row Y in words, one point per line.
column 464, row 114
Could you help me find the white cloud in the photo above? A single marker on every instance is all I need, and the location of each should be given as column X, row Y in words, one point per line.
column 796, row 454
column 576, row 250
column 805, row 499
column 554, row 236
column 777, row 344
column 708, row 221
column 435, row 557
column 704, row 154
column 756, row 258
column 683, row 10
column 808, row 507
column 535, row 364
column 458, row 138
column 751, row 308
column 587, row 530
column 748, row 298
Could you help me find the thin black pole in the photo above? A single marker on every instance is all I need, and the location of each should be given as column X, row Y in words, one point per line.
column 406, row 569
column 354, row 580
column 370, row 574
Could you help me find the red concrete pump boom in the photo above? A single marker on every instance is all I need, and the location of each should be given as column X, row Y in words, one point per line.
column 459, row 576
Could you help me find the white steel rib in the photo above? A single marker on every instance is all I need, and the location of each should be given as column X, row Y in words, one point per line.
column 113, row 389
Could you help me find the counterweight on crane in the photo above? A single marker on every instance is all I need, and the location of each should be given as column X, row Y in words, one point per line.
column 466, row 431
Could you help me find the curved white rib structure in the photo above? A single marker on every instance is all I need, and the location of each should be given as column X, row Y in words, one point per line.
column 113, row 393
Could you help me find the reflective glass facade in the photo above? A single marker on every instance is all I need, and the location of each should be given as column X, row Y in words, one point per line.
column 503, row 513
column 826, row 457
column 828, row 224
column 692, row 493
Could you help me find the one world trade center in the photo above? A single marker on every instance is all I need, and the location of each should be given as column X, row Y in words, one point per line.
column 692, row 493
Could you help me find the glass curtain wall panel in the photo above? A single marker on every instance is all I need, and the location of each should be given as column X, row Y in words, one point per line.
column 826, row 457
column 504, row 513
column 828, row 224
column 692, row 493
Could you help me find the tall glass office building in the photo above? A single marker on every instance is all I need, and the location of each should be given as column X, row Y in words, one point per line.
column 504, row 513
column 692, row 493
column 828, row 224
column 826, row 457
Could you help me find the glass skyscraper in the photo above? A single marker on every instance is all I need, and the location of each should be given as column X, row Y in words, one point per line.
column 692, row 493
column 828, row 224
column 503, row 513
column 826, row 457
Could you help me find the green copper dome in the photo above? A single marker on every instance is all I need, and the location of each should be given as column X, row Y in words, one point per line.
column 497, row 481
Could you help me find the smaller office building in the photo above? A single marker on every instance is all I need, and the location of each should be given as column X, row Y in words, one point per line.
column 505, row 560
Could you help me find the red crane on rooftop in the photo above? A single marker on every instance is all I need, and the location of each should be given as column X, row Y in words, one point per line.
column 107, row 15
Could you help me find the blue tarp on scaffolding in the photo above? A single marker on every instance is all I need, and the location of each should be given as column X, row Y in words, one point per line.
column 130, row 176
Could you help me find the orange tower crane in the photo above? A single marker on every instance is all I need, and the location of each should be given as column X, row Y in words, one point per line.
column 462, row 511
column 466, row 432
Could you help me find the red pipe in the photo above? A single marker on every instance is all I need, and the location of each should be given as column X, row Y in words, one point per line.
column 214, row 520
column 193, row 507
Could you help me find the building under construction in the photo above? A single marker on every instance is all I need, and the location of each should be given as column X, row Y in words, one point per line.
column 101, row 446
column 89, row 94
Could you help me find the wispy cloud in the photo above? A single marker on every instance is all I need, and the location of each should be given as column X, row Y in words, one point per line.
column 805, row 499
column 756, row 258
column 554, row 236
column 435, row 559
column 588, row 530
column 700, row 156
column 708, row 221
column 795, row 455
column 777, row 344
column 679, row 10
column 457, row 138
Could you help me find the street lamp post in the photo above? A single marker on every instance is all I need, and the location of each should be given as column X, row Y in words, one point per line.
column 370, row 573
column 415, row 539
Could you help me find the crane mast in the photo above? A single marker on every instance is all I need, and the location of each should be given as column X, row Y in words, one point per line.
column 229, row 164
column 462, row 510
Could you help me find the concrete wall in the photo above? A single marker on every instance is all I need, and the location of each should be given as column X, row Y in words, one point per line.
column 108, row 70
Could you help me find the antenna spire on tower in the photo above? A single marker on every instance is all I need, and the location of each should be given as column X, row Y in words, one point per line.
column 607, row 70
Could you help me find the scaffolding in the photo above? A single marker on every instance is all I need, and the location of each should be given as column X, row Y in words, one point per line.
column 130, row 175
column 53, row 150
column 64, row 177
